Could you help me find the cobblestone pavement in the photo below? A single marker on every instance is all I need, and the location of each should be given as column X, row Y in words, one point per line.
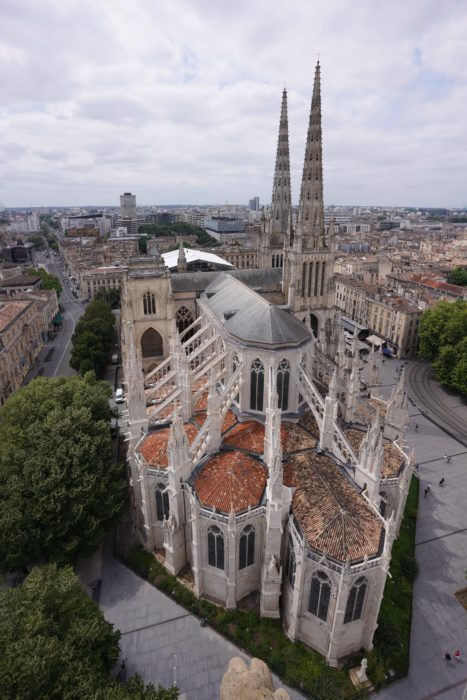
column 439, row 623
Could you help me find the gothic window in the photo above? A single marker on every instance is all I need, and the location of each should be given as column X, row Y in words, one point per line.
column 383, row 505
column 256, row 385
column 215, row 547
column 183, row 319
column 149, row 303
column 310, row 278
column 247, row 547
column 282, row 260
column 355, row 601
column 303, row 278
column 162, row 502
column 151, row 343
column 283, row 377
column 322, row 279
column 320, row 594
column 290, row 563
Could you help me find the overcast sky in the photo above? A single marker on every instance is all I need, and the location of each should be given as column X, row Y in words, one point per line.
column 178, row 101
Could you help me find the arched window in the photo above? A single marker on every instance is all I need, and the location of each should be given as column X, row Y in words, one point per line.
column 303, row 278
column 162, row 502
column 283, row 377
column 151, row 343
column 383, row 504
column 149, row 303
column 355, row 600
column 320, row 594
column 247, row 547
column 257, row 385
column 290, row 563
column 183, row 319
column 215, row 547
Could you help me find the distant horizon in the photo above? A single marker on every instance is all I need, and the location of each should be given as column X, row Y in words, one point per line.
column 182, row 100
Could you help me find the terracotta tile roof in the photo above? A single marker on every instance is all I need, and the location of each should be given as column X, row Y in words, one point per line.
column 10, row 310
column 229, row 420
column 248, row 436
column 393, row 459
column 378, row 405
column 231, row 480
column 154, row 446
column 331, row 514
column 296, row 438
column 309, row 423
column 202, row 403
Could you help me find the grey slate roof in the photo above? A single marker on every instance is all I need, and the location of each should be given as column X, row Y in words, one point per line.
column 249, row 317
column 267, row 279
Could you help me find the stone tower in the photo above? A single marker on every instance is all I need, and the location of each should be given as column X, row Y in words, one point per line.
column 275, row 227
column 309, row 251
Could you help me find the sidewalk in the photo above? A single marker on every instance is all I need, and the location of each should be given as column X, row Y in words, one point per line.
column 439, row 622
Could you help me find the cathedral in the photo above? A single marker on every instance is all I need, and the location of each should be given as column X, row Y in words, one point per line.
column 262, row 464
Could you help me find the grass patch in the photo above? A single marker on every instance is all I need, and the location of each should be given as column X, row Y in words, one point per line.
column 390, row 656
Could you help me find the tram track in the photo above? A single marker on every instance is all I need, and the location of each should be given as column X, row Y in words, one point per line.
column 436, row 403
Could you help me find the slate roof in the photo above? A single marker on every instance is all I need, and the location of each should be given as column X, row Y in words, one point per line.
column 333, row 517
column 250, row 318
column 267, row 279
column 231, row 481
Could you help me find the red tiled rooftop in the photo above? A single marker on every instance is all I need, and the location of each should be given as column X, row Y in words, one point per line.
column 331, row 514
column 248, row 436
column 231, row 481
column 154, row 446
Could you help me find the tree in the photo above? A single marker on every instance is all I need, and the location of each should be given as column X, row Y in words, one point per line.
column 60, row 488
column 37, row 241
column 443, row 341
column 110, row 296
column 56, row 645
column 459, row 276
column 93, row 338
column 48, row 281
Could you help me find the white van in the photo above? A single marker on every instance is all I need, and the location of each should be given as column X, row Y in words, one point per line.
column 119, row 396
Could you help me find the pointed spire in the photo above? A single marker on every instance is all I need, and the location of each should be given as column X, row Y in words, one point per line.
column 281, row 196
column 181, row 263
column 310, row 222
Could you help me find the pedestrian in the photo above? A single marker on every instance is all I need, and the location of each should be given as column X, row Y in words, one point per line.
column 416, row 427
column 449, row 460
column 441, row 483
column 445, row 458
column 447, row 657
column 457, row 655
column 427, row 491
column 122, row 671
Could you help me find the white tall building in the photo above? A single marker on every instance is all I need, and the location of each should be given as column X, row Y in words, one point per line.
column 128, row 206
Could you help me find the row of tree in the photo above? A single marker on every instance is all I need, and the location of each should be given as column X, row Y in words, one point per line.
column 443, row 341
column 60, row 493
column 182, row 228
column 93, row 338
column 48, row 281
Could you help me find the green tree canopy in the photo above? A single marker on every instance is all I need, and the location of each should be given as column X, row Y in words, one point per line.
column 48, row 281
column 60, row 488
column 110, row 296
column 181, row 228
column 443, row 341
column 37, row 241
column 459, row 276
column 93, row 338
column 56, row 645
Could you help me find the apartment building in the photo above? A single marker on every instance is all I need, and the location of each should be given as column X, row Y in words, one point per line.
column 392, row 319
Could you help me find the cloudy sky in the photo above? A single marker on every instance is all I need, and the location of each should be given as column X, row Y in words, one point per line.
column 178, row 100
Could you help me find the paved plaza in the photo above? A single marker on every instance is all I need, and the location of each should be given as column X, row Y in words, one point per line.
column 165, row 644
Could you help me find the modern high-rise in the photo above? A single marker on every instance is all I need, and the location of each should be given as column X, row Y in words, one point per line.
column 127, row 206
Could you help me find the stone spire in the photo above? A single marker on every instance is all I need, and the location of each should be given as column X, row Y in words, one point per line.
column 397, row 413
column 310, row 222
column 370, row 461
column 181, row 263
column 281, row 198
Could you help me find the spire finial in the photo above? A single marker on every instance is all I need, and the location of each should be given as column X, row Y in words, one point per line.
column 281, row 195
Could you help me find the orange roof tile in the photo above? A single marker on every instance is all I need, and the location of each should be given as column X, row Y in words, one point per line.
column 154, row 446
column 296, row 438
column 248, row 436
column 231, row 480
column 393, row 459
column 332, row 515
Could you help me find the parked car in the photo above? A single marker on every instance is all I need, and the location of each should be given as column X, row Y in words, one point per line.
column 119, row 398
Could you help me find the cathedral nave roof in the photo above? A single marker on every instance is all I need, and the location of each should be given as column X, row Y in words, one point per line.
column 154, row 446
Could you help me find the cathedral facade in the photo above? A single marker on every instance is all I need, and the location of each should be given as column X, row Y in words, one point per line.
column 260, row 461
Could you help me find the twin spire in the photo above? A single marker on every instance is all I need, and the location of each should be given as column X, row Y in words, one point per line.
column 310, row 220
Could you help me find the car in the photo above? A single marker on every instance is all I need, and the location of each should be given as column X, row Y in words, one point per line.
column 115, row 359
column 119, row 398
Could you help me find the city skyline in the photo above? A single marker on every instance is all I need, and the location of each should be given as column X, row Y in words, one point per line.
column 181, row 103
